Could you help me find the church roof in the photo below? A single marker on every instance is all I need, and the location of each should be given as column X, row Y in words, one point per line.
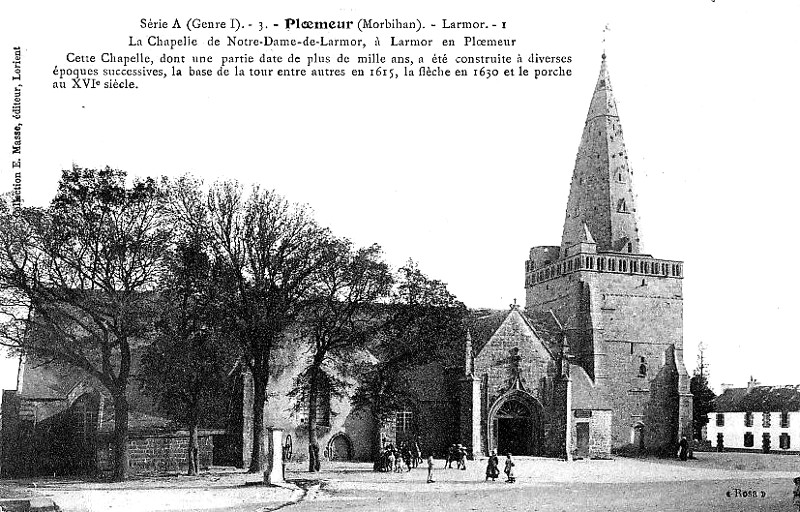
column 759, row 399
column 601, row 198
column 483, row 327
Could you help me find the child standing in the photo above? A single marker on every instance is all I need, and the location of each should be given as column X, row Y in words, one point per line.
column 430, row 468
column 509, row 471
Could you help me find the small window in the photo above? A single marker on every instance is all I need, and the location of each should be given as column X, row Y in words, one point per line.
column 748, row 419
column 748, row 440
column 642, row 367
column 630, row 247
column 766, row 420
column 720, row 420
column 785, row 441
column 622, row 207
column 784, row 419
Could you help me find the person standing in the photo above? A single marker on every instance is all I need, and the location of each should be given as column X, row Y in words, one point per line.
column 492, row 467
column 462, row 458
column 390, row 461
column 430, row 468
column 451, row 456
column 683, row 448
column 796, row 493
column 509, row 471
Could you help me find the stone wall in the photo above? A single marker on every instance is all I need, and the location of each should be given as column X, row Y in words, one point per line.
column 627, row 332
column 155, row 453
column 280, row 412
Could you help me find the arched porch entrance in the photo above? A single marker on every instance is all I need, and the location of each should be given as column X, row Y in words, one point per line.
column 515, row 424
column 340, row 447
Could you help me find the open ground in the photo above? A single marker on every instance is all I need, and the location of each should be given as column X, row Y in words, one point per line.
column 714, row 481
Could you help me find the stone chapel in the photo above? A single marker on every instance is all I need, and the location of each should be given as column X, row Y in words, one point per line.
column 596, row 351
column 603, row 323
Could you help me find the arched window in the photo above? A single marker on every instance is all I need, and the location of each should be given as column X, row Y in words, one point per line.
column 642, row 367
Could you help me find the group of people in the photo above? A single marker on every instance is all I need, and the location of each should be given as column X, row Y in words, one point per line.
column 394, row 459
column 493, row 468
column 458, row 454
column 408, row 455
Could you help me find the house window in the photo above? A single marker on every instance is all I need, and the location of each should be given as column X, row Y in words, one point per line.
column 748, row 439
column 720, row 420
column 785, row 419
column 785, row 441
column 403, row 421
column 748, row 419
column 766, row 421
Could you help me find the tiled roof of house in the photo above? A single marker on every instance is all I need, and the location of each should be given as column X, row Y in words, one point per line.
column 759, row 399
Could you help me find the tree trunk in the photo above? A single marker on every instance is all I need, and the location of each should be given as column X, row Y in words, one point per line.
column 194, row 450
column 120, row 440
column 313, row 444
column 259, row 458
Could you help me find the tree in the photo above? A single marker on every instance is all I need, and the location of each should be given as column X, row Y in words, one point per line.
column 424, row 323
column 340, row 320
column 185, row 368
column 269, row 253
column 703, row 395
column 77, row 280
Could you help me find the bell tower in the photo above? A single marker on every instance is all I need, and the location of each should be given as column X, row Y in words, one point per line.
column 622, row 309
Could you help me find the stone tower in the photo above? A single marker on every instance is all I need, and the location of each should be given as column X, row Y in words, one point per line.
column 622, row 309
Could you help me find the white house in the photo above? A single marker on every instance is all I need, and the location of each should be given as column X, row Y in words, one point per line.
column 756, row 418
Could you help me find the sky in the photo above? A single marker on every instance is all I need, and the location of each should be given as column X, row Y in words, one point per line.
column 466, row 175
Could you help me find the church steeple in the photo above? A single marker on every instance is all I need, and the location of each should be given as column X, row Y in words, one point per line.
column 601, row 194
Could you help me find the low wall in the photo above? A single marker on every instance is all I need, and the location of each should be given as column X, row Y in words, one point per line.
column 156, row 453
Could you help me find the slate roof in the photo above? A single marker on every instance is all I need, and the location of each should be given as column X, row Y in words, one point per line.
column 759, row 399
column 483, row 326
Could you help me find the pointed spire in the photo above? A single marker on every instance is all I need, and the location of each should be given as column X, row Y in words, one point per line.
column 601, row 200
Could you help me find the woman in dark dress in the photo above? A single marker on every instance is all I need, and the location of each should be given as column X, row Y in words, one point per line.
column 492, row 466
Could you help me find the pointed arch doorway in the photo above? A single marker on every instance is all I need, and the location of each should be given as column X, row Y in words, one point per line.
column 515, row 424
